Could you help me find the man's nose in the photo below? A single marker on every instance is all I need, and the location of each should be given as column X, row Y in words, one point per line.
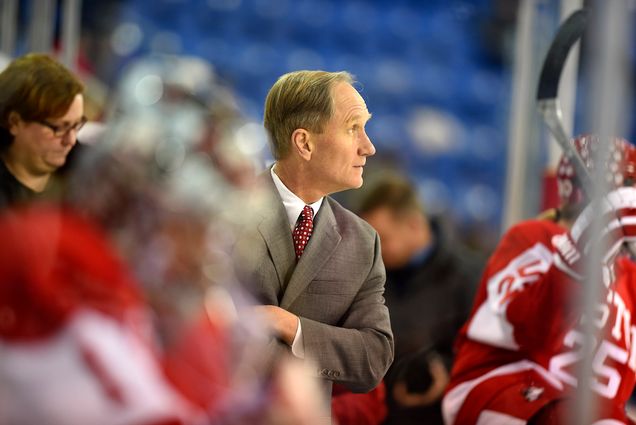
column 366, row 146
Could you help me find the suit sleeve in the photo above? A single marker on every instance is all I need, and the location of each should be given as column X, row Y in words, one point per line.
column 358, row 352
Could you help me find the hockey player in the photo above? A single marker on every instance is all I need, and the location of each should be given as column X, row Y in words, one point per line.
column 518, row 354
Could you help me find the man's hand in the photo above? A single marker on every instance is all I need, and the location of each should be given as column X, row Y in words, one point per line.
column 282, row 322
column 439, row 377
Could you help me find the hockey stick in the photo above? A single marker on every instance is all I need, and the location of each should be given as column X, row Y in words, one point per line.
column 548, row 104
column 548, row 91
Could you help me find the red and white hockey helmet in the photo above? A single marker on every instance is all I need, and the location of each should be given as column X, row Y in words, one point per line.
column 620, row 167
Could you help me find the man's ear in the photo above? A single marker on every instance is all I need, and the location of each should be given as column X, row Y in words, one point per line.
column 302, row 143
column 13, row 120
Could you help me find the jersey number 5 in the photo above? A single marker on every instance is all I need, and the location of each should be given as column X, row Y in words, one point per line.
column 606, row 379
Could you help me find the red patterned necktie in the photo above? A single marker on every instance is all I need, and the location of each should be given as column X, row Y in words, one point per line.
column 303, row 229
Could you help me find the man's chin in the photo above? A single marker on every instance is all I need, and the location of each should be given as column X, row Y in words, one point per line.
column 354, row 184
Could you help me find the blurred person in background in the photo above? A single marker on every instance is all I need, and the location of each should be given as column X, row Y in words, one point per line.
column 431, row 281
column 519, row 354
column 316, row 267
column 349, row 408
column 41, row 111
column 130, row 313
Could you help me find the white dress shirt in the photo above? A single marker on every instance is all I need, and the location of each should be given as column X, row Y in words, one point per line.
column 294, row 206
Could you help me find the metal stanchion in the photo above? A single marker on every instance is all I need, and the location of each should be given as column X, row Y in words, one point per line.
column 41, row 25
column 606, row 116
column 71, row 14
column 9, row 25
column 522, row 109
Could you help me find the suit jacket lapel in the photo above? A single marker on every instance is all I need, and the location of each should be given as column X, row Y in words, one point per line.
column 319, row 249
column 274, row 228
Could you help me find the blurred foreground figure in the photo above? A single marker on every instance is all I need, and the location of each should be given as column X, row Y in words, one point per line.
column 519, row 353
column 120, row 307
column 348, row 408
column 41, row 111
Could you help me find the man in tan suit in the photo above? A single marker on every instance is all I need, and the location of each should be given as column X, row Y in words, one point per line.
column 316, row 266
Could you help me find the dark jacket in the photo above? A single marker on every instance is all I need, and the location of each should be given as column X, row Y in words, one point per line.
column 429, row 300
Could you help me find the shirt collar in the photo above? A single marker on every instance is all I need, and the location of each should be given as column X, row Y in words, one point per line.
column 292, row 203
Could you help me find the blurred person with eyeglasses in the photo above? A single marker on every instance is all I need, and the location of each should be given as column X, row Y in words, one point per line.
column 41, row 112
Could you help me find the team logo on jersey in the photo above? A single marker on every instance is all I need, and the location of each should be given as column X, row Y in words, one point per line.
column 532, row 393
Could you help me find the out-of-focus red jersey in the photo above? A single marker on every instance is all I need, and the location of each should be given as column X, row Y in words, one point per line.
column 76, row 339
column 521, row 346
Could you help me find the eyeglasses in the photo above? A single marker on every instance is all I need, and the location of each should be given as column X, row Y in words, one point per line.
column 61, row 131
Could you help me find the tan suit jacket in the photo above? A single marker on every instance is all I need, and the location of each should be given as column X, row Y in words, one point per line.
column 336, row 289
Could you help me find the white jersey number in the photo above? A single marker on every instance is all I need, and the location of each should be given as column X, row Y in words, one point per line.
column 606, row 379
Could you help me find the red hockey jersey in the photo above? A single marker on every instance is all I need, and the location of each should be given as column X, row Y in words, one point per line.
column 521, row 346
